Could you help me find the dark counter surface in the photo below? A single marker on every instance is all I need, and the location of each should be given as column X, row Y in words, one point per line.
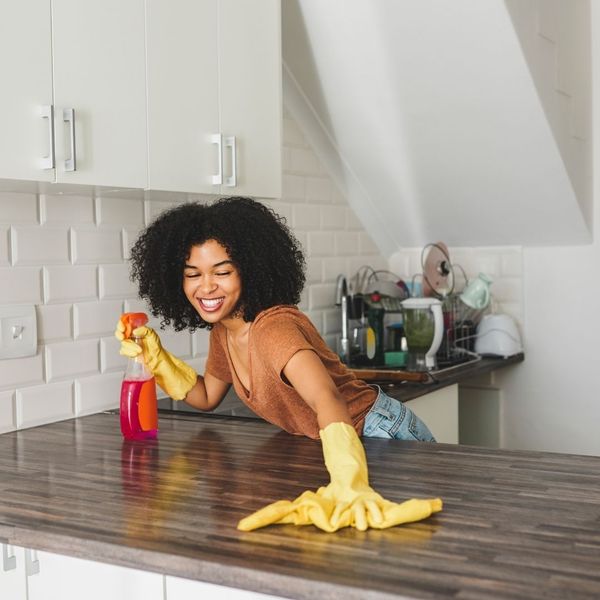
column 460, row 373
column 514, row 524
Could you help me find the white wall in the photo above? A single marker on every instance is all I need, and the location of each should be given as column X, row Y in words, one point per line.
column 554, row 403
column 68, row 256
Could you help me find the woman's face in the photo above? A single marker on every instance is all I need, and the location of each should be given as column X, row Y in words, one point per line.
column 211, row 282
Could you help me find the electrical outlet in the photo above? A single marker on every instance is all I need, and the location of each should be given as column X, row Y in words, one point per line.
column 18, row 331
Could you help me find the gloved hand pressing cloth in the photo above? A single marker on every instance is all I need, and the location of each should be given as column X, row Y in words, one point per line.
column 348, row 501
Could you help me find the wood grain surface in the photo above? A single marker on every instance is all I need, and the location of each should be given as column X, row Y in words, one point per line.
column 514, row 524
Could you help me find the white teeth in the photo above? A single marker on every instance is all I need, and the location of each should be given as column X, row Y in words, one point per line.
column 211, row 302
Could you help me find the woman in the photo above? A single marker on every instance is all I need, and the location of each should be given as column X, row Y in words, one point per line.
column 235, row 268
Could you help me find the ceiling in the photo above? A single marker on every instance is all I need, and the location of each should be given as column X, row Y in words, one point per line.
column 427, row 117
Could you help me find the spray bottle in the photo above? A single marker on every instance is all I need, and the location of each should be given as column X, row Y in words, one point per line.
column 138, row 409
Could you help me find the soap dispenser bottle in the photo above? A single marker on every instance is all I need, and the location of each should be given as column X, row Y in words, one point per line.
column 138, row 408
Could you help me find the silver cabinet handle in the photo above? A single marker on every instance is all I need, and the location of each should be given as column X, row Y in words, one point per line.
column 47, row 112
column 32, row 564
column 217, row 139
column 69, row 117
column 231, row 181
column 9, row 563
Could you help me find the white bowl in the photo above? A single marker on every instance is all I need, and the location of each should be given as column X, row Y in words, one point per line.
column 498, row 335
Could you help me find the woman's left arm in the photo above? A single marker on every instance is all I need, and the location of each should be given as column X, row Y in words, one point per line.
column 308, row 376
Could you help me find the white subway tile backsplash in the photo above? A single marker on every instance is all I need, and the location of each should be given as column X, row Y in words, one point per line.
column 15, row 372
column 20, row 285
column 98, row 393
column 332, row 321
column 318, row 189
column 352, row 221
column 45, row 404
column 294, row 188
column 306, row 217
column 314, row 270
column 70, row 283
column 346, row 243
column 321, row 296
column 114, row 281
column 316, row 318
column 70, row 359
column 200, row 340
column 39, row 245
column 511, row 263
column 18, row 208
column 152, row 208
column 97, row 245
column 8, row 417
column 178, row 343
column 507, row 289
column 110, row 359
column 366, row 245
column 96, row 318
column 334, row 266
column 303, row 161
column 54, row 322
column 321, row 243
column 130, row 236
column 120, row 211
column 333, row 217
column 67, row 209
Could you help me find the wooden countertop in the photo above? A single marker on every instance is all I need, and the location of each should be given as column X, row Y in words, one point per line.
column 514, row 524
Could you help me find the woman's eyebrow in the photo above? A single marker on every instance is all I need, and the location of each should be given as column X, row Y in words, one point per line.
column 219, row 264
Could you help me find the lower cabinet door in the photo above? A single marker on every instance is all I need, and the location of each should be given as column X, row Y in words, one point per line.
column 66, row 578
column 439, row 411
column 187, row 589
column 13, row 585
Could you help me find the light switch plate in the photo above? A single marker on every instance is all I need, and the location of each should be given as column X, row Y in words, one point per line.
column 18, row 331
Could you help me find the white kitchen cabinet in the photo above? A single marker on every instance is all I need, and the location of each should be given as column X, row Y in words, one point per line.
column 187, row 589
column 13, row 584
column 439, row 410
column 99, row 72
column 214, row 96
column 26, row 67
column 83, row 61
column 67, row 578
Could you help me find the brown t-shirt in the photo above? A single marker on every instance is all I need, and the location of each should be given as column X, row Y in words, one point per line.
column 274, row 337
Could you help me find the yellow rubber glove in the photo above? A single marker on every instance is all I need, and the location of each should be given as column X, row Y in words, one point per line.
column 348, row 501
column 173, row 375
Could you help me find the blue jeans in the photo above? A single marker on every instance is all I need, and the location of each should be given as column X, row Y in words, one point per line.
column 389, row 418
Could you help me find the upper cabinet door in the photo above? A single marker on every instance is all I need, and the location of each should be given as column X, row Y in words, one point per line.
column 99, row 72
column 250, row 93
column 183, row 102
column 26, row 71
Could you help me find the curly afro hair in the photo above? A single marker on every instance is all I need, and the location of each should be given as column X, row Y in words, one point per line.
column 267, row 255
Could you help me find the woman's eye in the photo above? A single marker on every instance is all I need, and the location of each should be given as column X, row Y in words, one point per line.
column 191, row 275
column 222, row 273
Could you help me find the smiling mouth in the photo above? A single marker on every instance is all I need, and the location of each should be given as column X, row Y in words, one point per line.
column 211, row 304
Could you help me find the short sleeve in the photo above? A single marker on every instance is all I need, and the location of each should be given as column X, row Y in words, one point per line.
column 217, row 364
column 278, row 339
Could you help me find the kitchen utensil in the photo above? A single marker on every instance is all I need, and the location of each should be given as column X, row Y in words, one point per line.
column 498, row 335
column 395, row 375
column 477, row 293
column 438, row 273
column 424, row 329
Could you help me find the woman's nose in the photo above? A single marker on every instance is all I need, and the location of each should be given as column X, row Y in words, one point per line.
column 207, row 284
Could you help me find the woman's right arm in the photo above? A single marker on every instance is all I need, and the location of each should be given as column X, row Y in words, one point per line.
column 207, row 393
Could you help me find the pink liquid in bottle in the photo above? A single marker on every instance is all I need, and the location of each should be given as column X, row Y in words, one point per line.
column 138, row 410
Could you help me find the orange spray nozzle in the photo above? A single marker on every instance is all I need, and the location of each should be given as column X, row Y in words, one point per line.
column 132, row 321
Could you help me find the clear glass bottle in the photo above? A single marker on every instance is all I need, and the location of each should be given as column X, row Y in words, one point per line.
column 138, row 409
